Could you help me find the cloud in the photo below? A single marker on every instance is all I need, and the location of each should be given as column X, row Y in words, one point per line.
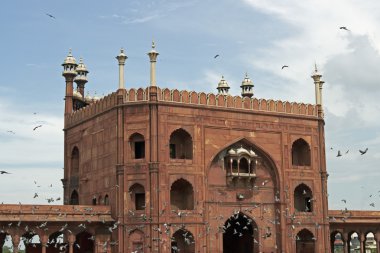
column 349, row 63
column 143, row 19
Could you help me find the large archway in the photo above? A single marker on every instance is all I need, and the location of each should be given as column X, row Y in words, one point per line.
column 240, row 235
column 183, row 242
column 305, row 242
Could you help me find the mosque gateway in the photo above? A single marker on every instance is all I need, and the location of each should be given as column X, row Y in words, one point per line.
column 158, row 170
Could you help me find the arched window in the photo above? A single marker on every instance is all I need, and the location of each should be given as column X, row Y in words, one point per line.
column 300, row 153
column 84, row 242
column 370, row 243
column 137, row 194
column 75, row 162
column 337, row 243
column 30, row 241
column 100, row 200
column 243, row 165
column 106, row 200
column 74, row 198
column 183, row 242
column 182, row 195
column 94, row 200
column 181, row 145
column 305, row 242
column 303, row 198
column 137, row 142
column 354, row 243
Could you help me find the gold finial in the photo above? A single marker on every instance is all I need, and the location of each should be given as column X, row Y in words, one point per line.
column 153, row 45
column 70, row 51
column 315, row 67
column 122, row 50
column 246, row 74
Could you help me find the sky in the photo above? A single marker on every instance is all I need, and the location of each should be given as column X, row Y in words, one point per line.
column 253, row 36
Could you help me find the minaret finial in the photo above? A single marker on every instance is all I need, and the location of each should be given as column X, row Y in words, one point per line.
column 318, row 89
column 223, row 87
column 153, row 58
column 121, row 58
column 246, row 87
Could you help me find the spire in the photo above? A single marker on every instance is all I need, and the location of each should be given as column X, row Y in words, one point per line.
column 81, row 78
column 246, row 87
column 153, row 59
column 121, row 59
column 223, row 87
column 318, row 89
column 69, row 73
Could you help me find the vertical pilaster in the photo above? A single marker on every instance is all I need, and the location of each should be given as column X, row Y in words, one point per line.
column 154, row 169
column 119, row 189
column 15, row 242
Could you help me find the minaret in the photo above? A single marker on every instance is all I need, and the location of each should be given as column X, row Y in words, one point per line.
column 246, row 87
column 69, row 72
column 223, row 87
column 81, row 78
column 318, row 90
column 121, row 59
column 153, row 59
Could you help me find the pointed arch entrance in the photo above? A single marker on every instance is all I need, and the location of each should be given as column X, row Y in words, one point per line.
column 240, row 235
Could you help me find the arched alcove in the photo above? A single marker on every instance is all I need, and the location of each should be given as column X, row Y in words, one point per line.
column 183, row 241
column 370, row 243
column 354, row 242
column 182, row 195
column 74, row 198
column 305, row 242
column 303, row 198
column 137, row 143
column 75, row 162
column 106, row 200
column 83, row 243
column 181, row 145
column 301, row 153
column 137, row 195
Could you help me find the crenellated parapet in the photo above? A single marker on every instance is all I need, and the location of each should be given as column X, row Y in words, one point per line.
column 226, row 101
column 193, row 98
column 96, row 107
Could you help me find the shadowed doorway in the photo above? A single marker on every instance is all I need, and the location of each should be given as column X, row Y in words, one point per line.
column 240, row 235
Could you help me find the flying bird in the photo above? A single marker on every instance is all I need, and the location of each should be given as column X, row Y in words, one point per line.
column 34, row 129
column 50, row 15
column 284, row 66
column 339, row 154
column 4, row 172
column 10, row 131
column 216, row 56
column 362, row 152
column 343, row 28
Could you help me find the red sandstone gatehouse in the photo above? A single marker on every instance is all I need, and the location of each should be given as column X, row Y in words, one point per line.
column 159, row 170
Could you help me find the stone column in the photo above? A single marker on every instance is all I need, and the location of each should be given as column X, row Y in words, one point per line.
column 377, row 239
column 44, row 240
column 346, row 243
column 362, row 240
column 15, row 243
column 71, row 241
